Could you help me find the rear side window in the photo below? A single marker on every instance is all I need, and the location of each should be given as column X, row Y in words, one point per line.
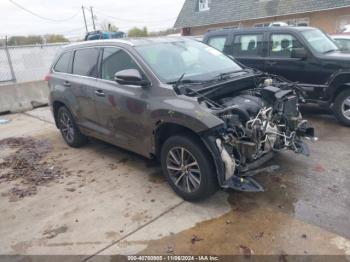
column 85, row 62
column 62, row 65
column 281, row 45
column 217, row 42
column 248, row 45
column 115, row 60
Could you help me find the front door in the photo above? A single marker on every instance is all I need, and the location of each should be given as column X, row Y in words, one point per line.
column 280, row 61
column 121, row 109
column 308, row 71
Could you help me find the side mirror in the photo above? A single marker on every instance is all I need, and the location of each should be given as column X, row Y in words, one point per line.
column 130, row 77
column 299, row 53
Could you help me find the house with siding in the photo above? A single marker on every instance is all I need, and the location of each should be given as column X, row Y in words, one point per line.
column 199, row 16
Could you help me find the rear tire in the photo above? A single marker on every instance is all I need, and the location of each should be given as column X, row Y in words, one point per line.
column 69, row 129
column 188, row 168
column 342, row 107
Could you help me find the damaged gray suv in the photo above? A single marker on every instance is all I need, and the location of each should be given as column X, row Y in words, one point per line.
column 209, row 121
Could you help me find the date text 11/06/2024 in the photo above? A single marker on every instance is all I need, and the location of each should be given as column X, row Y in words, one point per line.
column 173, row 258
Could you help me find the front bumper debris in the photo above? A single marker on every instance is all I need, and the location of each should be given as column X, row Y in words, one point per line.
column 244, row 184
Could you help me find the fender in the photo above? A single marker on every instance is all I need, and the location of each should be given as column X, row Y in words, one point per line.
column 194, row 121
column 202, row 123
column 337, row 82
column 197, row 121
column 209, row 140
column 63, row 96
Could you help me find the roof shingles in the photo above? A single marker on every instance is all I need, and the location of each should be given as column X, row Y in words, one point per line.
column 224, row 11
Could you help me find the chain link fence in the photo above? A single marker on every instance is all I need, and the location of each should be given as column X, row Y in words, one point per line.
column 6, row 74
column 19, row 64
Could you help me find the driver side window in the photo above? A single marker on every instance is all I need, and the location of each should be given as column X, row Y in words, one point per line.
column 281, row 45
column 114, row 60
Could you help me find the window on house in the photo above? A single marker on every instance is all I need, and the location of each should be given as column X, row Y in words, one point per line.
column 262, row 25
column 203, row 5
column 248, row 45
column 298, row 22
column 217, row 42
column 303, row 22
column 281, row 45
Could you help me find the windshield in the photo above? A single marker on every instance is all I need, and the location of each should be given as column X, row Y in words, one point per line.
column 170, row 60
column 319, row 41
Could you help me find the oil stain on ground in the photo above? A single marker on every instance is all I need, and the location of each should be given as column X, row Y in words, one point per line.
column 287, row 219
column 259, row 230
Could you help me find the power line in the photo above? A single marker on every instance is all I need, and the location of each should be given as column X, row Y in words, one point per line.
column 42, row 17
column 73, row 30
column 134, row 21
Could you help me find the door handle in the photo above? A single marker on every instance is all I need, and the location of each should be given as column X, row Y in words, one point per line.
column 67, row 83
column 271, row 63
column 100, row 93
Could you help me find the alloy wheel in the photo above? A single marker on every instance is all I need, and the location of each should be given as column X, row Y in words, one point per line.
column 346, row 108
column 67, row 128
column 183, row 169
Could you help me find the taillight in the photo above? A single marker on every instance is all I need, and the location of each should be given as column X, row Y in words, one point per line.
column 47, row 77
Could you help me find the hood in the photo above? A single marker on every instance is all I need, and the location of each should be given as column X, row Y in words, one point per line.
column 338, row 56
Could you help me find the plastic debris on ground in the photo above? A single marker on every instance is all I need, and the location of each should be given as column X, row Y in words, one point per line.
column 4, row 121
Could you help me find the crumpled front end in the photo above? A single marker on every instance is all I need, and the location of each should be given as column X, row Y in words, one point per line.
column 257, row 123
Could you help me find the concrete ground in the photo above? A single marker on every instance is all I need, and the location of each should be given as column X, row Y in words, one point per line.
column 103, row 200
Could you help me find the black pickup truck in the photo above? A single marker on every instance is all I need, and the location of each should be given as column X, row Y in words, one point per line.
column 300, row 54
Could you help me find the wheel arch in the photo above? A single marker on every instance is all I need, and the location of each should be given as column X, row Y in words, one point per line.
column 340, row 89
column 339, row 82
column 164, row 130
column 206, row 138
column 56, row 105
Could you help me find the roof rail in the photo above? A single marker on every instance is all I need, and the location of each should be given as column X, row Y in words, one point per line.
column 231, row 27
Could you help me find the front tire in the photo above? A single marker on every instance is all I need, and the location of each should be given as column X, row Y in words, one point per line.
column 342, row 107
column 188, row 168
column 69, row 129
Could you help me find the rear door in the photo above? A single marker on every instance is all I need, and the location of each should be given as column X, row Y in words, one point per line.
column 248, row 48
column 61, row 72
column 83, row 84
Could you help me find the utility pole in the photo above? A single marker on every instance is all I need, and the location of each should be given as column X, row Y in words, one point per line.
column 93, row 18
column 82, row 7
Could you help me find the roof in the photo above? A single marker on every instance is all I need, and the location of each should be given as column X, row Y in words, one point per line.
column 224, row 11
column 258, row 29
column 139, row 41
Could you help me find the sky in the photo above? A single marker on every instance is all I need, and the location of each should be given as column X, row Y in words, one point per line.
column 125, row 14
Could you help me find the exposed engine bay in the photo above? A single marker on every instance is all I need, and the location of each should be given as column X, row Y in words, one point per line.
column 261, row 117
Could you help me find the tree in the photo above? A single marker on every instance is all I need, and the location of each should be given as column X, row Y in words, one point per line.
column 138, row 32
column 164, row 32
column 108, row 26
column 55, row 38
column 25, row 40
column 36, row 39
